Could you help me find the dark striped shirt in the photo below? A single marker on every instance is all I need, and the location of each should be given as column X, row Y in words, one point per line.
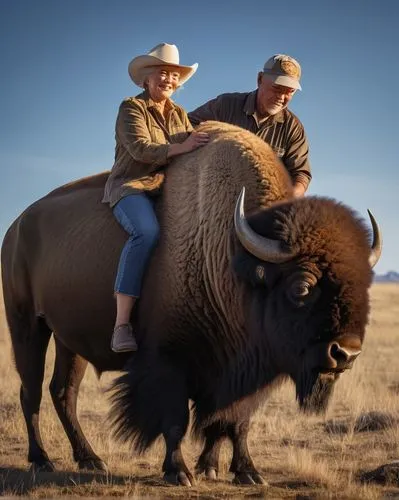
column 283, row 131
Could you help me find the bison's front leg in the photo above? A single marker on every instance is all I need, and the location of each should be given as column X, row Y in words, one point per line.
column 174, row 467
column 174, row 427
column 241, row 464
column 208, row 462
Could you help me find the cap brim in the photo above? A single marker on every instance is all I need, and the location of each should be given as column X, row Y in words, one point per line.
column 286, row 81
column 139, row 65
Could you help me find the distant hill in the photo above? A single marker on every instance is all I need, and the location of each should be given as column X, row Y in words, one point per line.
column 389, row 277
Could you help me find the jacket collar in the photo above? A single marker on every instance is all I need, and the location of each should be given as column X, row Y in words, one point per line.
column 145, row 96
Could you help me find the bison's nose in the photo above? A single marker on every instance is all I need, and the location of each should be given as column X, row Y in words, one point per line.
column 342, row 357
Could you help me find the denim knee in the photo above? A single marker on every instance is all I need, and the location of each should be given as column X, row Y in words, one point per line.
column 136, row 215
column 149, row 236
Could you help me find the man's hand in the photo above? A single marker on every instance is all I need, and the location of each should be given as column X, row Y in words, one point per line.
column 299, row 190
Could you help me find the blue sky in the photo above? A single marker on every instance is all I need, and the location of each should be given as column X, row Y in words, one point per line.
column 63, row 67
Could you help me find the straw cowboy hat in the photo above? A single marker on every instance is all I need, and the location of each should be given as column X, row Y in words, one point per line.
column 161, row 55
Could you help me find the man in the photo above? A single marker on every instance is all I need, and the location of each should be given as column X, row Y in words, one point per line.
column 264, row 112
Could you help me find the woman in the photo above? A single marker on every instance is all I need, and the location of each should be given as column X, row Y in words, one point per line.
column 150, row 130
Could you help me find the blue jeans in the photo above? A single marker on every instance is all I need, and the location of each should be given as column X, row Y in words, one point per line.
column 135, row 213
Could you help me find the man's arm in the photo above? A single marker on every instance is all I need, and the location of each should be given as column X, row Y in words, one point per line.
column 296, row 159
column 208, row 111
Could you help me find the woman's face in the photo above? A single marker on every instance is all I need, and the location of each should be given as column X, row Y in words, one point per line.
column 162, row 82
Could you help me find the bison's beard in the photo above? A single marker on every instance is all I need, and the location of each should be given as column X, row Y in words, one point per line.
column 314, row 389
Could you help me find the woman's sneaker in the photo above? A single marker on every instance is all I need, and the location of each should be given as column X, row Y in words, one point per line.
column 123, row 339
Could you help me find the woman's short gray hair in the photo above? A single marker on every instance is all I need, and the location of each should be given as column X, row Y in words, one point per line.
column 146, row 72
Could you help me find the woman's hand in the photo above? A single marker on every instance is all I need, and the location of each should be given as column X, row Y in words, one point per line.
column 194, row 141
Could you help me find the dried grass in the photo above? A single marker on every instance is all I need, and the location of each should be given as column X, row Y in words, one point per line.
column 298, row 455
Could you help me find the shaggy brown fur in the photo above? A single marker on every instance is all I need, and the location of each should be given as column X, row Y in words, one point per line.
column 218, row 337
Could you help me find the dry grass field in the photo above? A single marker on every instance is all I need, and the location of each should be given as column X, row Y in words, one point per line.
column 299, row 456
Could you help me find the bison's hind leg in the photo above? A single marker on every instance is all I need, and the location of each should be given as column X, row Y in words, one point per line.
column 30, row 338
column 69, row 369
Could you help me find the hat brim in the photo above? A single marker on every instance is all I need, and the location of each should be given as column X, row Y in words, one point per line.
column 286, row 81
column 138, row 69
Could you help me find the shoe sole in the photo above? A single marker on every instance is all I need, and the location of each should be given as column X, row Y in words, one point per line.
column 129, row 349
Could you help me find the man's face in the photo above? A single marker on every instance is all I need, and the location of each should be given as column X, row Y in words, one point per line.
column 272, row 98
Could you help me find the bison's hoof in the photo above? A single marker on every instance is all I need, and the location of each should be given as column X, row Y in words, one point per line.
column 93, row 464
column 211, row 473
column 249, row 478
column 181, row 478
column 46, row 466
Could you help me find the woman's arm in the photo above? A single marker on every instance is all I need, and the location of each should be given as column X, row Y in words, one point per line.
column 133, row 133
column 193, row 141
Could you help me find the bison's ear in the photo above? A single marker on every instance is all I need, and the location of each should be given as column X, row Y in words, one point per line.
column 254, row 271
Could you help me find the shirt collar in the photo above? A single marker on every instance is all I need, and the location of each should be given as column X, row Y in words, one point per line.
column 250, row 108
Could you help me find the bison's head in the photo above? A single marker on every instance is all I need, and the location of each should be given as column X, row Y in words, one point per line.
column 310, row 263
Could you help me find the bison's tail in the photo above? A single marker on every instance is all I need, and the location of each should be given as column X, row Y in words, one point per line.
column 17, row 293
column 29, row 333
column 20, row 316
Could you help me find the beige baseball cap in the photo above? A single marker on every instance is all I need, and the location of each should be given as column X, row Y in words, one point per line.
column 283, row 70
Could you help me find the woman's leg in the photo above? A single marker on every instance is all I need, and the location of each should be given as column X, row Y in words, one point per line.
column 136, row 215
column 124, row 307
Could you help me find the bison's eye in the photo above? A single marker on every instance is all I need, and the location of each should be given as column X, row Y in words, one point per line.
column 299, row 292
column 300, row 289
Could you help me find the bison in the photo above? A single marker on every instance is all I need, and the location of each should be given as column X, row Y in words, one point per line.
column 233, row 301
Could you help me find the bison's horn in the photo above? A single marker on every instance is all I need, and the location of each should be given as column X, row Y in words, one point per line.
column 261, row 247
column 376, row 247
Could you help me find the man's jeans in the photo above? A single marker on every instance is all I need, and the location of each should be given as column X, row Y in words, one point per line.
column 135, row 213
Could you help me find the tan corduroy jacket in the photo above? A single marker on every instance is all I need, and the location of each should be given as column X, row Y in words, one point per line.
column 142, row 138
